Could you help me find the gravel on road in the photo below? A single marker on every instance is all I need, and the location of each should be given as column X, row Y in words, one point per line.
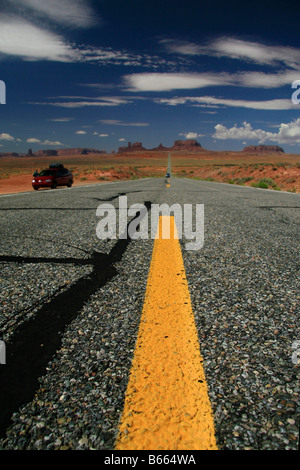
column 244, row 287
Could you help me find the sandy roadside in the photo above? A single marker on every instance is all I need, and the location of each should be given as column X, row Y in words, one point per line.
column 281, row 177
column 22, row 183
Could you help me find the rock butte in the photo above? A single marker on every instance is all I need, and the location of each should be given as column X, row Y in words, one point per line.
column 189, row 145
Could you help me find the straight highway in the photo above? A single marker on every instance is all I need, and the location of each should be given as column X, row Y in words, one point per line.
column 72, row 306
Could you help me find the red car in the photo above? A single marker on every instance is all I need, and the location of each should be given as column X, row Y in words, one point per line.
column 55, row 175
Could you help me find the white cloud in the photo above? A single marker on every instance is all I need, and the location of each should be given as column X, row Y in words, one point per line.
column 244, row 132
column 28, row 30
column 211, row 101
column 173, row 101
column 80, row 132
column 103, row 135
column 111, row 56
column 173, row 81
column 239, row 49
column 122, row 140
column 191, row 135
column 61, row 119
column 5, row 136
column 81, row 102
column 115, row 122
column 21, row 38
column 186, row 81
column 256, row 52
column 49, row 142
column 288, row 133
column 33, row 140
column 24, row 37
column 67, row 12
column 182, row 47
column 266, row 80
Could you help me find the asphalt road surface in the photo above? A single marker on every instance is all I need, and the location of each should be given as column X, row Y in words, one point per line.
column 71, row 307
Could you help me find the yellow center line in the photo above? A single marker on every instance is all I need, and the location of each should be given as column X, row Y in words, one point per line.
column 166, row 404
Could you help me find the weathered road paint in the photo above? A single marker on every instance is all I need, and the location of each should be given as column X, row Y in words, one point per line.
column 166, row 404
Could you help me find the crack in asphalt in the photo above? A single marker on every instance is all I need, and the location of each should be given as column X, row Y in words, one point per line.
column 37, row 339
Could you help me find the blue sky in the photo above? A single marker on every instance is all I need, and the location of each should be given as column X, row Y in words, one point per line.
column 102, row 73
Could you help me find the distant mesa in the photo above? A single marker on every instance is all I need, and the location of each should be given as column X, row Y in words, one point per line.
column 188, row 145
column 55, row 153
column 45, row 153
column 78, row 151
column 9, row 154
column 179, row 145
column 263, row 149
column 137, row 146
column 161, row 148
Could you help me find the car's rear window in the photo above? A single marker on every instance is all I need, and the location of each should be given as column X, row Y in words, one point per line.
column 47, row 173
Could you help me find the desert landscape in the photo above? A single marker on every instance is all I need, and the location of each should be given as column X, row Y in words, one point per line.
column 267, row 167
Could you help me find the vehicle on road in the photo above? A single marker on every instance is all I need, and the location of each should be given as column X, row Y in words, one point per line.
column 55, row 175
column 168, row 175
